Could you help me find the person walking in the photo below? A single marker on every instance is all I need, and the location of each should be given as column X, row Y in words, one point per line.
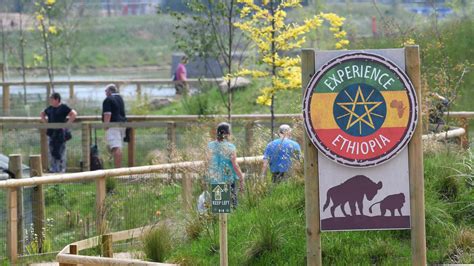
column 279, row 154
column 181, row 77
column 57, row 112
column 113, row 110
column 223, row 166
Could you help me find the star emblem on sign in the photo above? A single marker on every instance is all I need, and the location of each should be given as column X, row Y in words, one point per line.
column 360, row 109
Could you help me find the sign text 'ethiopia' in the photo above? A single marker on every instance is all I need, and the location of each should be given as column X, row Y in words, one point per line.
column 360, row 109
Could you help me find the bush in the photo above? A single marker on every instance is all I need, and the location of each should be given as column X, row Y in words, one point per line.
column 270, row 237
column 158, row 244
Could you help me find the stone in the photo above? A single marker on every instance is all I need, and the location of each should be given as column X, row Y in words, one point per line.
column 235, row 83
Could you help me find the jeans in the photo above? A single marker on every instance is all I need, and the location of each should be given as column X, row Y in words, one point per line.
column 57, row 163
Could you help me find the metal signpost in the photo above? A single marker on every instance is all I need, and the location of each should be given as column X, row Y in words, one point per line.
column 220, row 203
column 360, row 111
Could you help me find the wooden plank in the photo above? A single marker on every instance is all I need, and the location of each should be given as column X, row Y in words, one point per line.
column 87, row 260
column 6, row 99
column 194, row 166
column 131, row 148
column 14, row 165
column 104, row 82
column 107, row 250
column 38, row 204
column 187, row 191
column 415, row 153
column 86, row 146
column 44, row 149
column 313, row 232
column 465, row 137
column 71, row 91
column 100, row 205
column 223, row 251
column 12, row 225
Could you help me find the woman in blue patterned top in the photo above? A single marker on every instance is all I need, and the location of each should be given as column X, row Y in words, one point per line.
column 223, row 166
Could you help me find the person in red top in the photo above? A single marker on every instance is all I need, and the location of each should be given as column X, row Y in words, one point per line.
column 180, row 77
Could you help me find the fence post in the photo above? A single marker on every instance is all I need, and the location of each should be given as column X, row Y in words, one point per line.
column 131, row 148
column 100, row 205
column 465, row 138
column 12, row 225
column 14, row 165
column 107, row 250
column 139, row 92
column 38, row 201
column 249, row 132
column 415, row 157
column 71, row 91
column 172, row 145
column 44, row 148
column 86, row 146
column 187, row 191
column 72, row 251
column 6, row 99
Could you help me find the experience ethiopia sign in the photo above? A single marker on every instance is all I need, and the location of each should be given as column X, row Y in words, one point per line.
column 360, row 109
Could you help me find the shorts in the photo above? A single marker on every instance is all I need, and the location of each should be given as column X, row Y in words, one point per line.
column 115, row 137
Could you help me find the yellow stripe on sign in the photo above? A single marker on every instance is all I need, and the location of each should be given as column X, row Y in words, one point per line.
column 398, row 108
column 322, row 116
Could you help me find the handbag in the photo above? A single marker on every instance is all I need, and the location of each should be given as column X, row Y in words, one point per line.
column 67, row 134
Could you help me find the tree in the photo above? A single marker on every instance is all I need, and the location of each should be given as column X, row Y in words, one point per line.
column 210, row 33
column 274, row 38
column 45, row 10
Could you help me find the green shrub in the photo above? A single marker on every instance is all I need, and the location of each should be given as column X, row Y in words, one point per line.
column 269, row 237
column 448, row 188
column 158, row 244
column 110, row 185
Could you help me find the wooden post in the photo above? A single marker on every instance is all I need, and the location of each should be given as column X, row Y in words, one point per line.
column 249, row 130
column 44, row 148
column 38, row 204
column 71, row 91
column 14, row 165
column 100, row 205
column 223, row 239
column 465, row 138
column 139, row 92
column 131, row 148
column 187, row 191
column 72, row 251
column 415, row 155
column 6, row 99
column 12, row 225
column 311, row 176
column 86, row 146
column 172, row 145
column 107, row 250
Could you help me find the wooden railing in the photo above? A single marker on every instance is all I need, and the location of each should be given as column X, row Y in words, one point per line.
column 463, row 118
column 37, row 180
column 6, row 86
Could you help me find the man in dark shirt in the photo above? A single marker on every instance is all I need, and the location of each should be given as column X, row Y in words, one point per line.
column 57, row 113
column 113, row 110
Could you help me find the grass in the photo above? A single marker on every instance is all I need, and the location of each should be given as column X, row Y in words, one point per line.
column 273, row 231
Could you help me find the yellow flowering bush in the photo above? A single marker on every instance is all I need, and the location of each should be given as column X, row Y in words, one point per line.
column 272, row 36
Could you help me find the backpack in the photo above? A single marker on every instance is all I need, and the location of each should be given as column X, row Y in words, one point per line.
column 95, row 160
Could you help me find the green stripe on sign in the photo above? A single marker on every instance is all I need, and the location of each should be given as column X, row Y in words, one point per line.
column 358, row 71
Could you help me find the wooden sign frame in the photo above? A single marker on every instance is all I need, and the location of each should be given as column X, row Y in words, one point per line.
column 415, row 155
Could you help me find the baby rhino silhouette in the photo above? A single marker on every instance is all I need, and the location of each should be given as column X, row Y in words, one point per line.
column 352, row 191
column 392, row 203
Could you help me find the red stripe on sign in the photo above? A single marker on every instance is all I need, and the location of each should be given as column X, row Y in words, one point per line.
column 361, row 148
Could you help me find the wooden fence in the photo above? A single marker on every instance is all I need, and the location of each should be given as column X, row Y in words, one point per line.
column 87, row 123
column 139, row 83
column 37, row 180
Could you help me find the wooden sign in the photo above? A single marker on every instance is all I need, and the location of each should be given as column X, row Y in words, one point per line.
column 360, row 111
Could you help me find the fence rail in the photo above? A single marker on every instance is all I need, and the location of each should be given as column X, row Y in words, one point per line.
column 6, row 86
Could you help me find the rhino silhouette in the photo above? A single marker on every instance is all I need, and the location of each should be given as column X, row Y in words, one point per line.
column 352, row 191
column 392, row 203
